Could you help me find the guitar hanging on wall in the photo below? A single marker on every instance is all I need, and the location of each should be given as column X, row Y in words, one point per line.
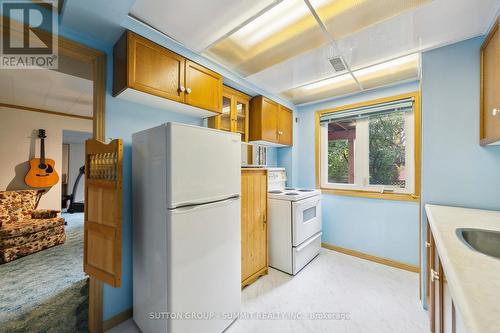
column 41, row 172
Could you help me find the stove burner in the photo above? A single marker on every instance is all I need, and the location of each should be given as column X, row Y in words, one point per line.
column 275, row 192
column 305, row 190
column 289, row 188
column 291, row 193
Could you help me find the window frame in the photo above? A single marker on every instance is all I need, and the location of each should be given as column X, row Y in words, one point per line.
column 410, row 193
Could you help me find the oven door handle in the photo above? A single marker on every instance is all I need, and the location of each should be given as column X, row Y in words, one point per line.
column 309, row 241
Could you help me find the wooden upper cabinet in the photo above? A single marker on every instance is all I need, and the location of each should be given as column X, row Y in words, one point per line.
column 285, row 126
column 203, row 87
column 490, row 87
column 270, row 122
column 142, row 68
column 234, row 115
column 154, row 69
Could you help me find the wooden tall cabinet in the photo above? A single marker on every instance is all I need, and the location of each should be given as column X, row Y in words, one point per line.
column 235, row 113
column 270, row 122
column 254, row 250
column 147, row 67
column 490, row 87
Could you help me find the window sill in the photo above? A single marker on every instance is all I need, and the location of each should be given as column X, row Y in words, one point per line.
column 372, row 195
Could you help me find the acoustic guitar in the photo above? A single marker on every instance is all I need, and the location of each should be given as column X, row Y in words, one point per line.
column 41, row 172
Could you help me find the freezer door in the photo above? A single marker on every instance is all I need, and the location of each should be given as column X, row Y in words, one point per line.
column 204, row 265
column 203, row 165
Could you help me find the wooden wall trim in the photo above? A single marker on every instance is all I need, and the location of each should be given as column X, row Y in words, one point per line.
column 95, row 305
column 380, row 260
column 117, row 320
column 55, row 113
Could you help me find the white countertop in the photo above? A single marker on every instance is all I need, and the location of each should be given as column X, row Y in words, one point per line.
column 473, row 278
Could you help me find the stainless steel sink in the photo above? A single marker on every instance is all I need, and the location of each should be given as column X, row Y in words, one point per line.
column 481, row 240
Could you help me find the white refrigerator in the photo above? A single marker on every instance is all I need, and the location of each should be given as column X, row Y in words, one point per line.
column 186, row 228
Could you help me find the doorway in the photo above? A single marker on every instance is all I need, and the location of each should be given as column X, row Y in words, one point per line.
column 81, row 304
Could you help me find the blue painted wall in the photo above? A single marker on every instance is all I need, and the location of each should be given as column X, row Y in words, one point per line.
column 456, row 171
column 382, row 228
column 124, row 118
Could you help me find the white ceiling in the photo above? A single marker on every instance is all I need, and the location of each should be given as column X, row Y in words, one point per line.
column 198, row 24
column 47, row 90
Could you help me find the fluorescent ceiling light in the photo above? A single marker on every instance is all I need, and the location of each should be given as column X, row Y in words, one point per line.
column 272, row 21
column 344, row 17
column 327, row 82
column 392, row 65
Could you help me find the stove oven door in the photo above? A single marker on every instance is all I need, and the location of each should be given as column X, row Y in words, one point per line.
column 306, row 219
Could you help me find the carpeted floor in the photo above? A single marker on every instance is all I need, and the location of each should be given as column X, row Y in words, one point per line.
column 47, row 291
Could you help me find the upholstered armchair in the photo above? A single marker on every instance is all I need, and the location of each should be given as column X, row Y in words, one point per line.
column 24, row 230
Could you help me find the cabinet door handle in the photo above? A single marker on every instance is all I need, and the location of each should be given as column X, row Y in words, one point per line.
column 188, row 90
column 434, row 275
column 427, row 244
column 495, row 112
column 182, row 89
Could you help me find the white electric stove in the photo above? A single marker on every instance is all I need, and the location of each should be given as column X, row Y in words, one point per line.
column 294, row 221
column 292, row 194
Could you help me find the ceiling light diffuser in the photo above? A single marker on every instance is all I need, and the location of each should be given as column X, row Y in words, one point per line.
column 389, row 72
column 344, row 17
column 284, row 31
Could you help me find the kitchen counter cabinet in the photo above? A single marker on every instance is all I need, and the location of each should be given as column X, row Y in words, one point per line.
column 254, row 250
column 463, row 287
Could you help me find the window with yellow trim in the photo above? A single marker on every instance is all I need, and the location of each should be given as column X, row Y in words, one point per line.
column 369, row 148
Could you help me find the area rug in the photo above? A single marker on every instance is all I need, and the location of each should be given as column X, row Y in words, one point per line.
column 47, row 291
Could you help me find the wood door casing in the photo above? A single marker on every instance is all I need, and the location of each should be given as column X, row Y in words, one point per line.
column 285, row 125
column 490, row 85
column 254, row 252
column 154, row 69
column 203, row 87
column 103, row 211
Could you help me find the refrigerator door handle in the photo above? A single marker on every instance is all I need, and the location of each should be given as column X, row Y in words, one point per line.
column 194, row 207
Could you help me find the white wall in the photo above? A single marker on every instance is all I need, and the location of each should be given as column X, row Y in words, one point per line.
column 19, row 144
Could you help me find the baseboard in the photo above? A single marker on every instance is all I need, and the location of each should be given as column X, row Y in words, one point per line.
column 380, row 260
column 116, row 320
